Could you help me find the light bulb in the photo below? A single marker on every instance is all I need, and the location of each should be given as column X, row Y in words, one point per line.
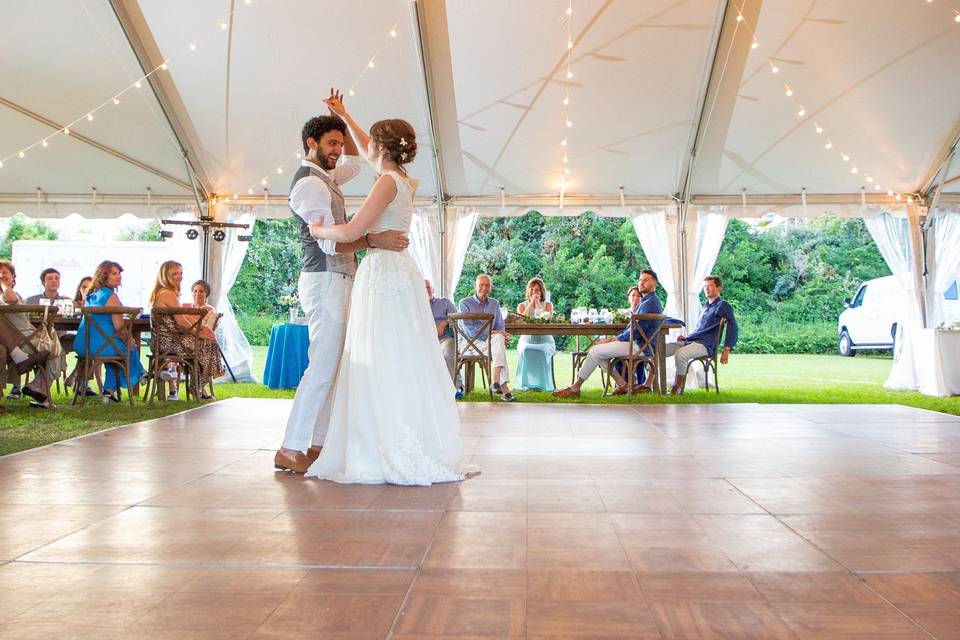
column 234, row 196
column 566, row 101
column 755, row 44
column 247, row 1
column 876, row 187
column 739, row 17
column 854, row 170
column 829, row 145
column 298, row 155
column 909, row 200
column 279, row 170
column 138, row 84
column 223, row 25
column 569, row 11
column 89, row 117
column 164, row 66
column 1, row 164
column 393, row 33
column 263, row 182
column 116, row 101
column 567, row 170
column 869, row 179
column 802, row 112
column 569, row 124
column 956, row 18
column 564, row 158
column 846, row 158
column 774, row 68
column 193, row 46
column 350, row 92
column 569, row 44
column 44, row 143
column 563, row 142
column 898, row 196
column 370, row 64
column 819, row 129
column 250, row 192
column 569, row 74
column 66, row 131
column 889, row 192
column 21, row 154
column 789, row 91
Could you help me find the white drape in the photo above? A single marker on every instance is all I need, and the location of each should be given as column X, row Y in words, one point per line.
column 711, row 230
column 226, row 260
column 945, row 227
column 892, row 236
column 425, row 244
column 656, row 228
column 458, row 228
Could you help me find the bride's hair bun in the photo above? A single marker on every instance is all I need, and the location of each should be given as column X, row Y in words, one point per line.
column 397, row 137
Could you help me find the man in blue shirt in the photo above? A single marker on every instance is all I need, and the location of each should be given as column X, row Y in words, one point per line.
column 604, row 351
column 703, row 341
column 483, row 303
column 441, row 308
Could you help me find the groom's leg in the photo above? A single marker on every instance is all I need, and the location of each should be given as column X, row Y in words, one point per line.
column 333, row 352
column 324, row 303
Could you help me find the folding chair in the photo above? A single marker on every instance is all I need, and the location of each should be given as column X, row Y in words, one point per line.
column 644, row 353
column 710, row 362
column 159, row 359
column 113, row 352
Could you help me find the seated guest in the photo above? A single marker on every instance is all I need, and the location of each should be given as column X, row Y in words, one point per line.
column 102, row 292
column 441, row 308
column 174, row 335
column 81, row 293
column 20, row 339
column 201, row 293
column 534, row 370
column 633, row 301
column 604, row 351
column 483, row 303
column 50, row 279
column 702, row 342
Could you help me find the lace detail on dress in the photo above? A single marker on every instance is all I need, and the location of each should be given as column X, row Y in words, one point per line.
column 410, row 464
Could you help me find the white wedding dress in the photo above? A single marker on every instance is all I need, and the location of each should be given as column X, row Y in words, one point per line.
column 394, row 418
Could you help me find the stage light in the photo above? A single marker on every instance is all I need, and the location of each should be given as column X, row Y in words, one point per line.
column 192, row 234
column 219, row 235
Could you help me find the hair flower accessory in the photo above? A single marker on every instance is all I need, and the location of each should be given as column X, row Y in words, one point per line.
column 403, row 142
column 403, row 156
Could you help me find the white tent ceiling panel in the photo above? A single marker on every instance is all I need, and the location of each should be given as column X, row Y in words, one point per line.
column 58, row 64
column 638, row 71
column 284, row 57
column 875, row 74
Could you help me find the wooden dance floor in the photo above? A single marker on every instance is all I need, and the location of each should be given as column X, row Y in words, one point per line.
column 713, row 521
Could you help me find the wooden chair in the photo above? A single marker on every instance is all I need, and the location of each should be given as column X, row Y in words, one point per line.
column 116, row 340
column 644, row 353
column 41, row 317
column 710, row 362
column 469, row 352
column 159, row 359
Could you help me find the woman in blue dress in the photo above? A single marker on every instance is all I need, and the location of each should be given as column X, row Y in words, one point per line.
column 102, row 292
column 535, row 368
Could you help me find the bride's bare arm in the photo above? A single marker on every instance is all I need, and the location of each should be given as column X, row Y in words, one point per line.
column 358, row 134
column 383, row 192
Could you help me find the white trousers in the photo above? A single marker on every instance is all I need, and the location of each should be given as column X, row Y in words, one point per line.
column 498, row 352
column 684, row 354
column 325, row 298
column 602, row 355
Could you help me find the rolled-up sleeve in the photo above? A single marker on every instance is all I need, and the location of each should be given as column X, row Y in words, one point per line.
column 347, row 170
column 310, row 200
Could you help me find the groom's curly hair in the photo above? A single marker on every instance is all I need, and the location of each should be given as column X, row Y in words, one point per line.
column 319, row 125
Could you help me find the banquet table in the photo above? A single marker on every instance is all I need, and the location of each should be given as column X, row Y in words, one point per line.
column 592, row 332
column 286, row 356
column 939, row 374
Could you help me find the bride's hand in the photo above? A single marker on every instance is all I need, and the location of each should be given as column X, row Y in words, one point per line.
column 335, row 103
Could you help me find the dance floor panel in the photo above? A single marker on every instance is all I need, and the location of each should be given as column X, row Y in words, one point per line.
column 667, row 521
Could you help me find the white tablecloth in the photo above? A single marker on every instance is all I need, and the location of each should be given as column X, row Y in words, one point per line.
column 938, row 360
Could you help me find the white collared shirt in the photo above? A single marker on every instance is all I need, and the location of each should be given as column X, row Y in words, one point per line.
column 310, row 197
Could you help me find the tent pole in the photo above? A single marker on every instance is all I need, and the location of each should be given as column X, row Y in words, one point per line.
column 437, row 155
column 942, row 163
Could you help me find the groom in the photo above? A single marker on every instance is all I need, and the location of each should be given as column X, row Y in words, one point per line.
column 326, row 277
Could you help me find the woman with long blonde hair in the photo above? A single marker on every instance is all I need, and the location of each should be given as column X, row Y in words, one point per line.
column 535, row 366
column 175, row 332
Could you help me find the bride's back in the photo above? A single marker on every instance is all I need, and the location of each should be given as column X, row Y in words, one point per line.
column 396, row 217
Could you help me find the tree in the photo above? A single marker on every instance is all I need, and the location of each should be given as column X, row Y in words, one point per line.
column 270, row 269
column 23, row 228
column 149, row 234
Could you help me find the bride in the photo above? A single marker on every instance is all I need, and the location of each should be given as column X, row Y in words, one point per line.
column 393, row 417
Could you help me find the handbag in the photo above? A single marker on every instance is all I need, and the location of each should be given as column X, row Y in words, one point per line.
column 46, row 338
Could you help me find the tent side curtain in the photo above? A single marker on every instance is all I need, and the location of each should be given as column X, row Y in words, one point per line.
column 943, row 232
column 226, row 259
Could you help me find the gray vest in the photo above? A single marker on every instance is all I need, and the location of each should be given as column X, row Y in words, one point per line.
column 314, row 259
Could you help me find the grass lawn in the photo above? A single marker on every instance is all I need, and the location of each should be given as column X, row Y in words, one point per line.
column 748, row 378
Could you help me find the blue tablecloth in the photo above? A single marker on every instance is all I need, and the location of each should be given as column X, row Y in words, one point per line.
column 286, row 356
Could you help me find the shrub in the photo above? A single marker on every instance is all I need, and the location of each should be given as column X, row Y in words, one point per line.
column 257, row 328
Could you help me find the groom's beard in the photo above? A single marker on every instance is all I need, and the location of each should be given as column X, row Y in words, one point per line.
column 329, row 162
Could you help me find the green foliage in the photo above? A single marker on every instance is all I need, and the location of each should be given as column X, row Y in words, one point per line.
column 23, row 228
column 149, row 234
column 784, row 337
column 258, row 328
column 270, row 270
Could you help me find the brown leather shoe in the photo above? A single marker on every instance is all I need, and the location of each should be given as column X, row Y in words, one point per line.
column 313, row 453
column 620, row 391
column 33, row 360
column 298, row 463
column 642, row 389
column 566, row 393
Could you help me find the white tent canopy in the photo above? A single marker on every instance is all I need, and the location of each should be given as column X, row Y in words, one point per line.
column 651, row 81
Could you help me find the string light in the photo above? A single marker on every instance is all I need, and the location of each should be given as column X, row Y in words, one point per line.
column 819, row 129
column 44, row 144
column 789, row 91
column 773, row 68
column 116, row 101
column 802, row 112
column 829, row 145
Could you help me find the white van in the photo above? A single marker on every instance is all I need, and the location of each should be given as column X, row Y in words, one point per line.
column 870, row 318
